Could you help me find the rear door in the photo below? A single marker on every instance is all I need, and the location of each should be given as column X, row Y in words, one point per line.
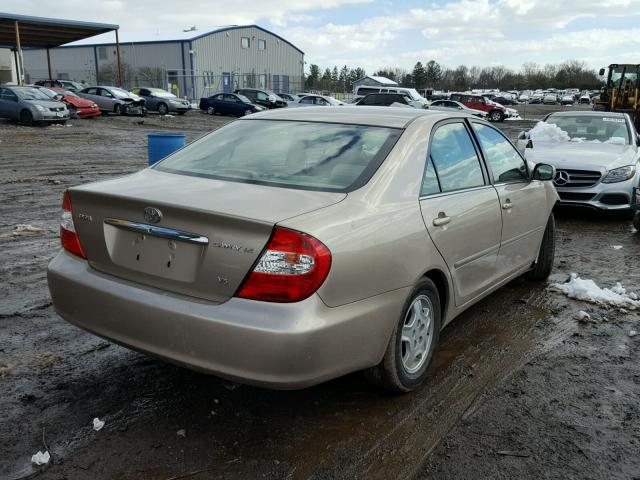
column 522, row 200
column 9, row 104
column 461, row 210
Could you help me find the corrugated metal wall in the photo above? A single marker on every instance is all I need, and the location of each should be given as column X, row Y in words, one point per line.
column 223, row 52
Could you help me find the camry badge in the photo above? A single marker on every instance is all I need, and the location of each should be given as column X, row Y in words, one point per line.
column 152, row 215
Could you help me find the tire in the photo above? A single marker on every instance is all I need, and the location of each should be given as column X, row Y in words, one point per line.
column 26, row 117
column 211, row 110
column 117, row 109
column 636, row 221
column 496, row 116
column 247, row 112
column 544, row 263
column 73, row 113
column 163, row 109
column 400, row 370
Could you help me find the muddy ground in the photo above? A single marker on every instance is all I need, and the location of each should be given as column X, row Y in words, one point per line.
column 518, row 389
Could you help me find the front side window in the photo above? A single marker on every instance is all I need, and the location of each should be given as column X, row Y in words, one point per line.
column 307, row 100
column 506, row 163
column 306, row 155
column 455, row 159
column 244, row 42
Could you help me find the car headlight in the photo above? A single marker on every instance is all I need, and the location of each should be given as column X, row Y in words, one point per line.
column 95, row 105
column 620, row 174
column 40, row 108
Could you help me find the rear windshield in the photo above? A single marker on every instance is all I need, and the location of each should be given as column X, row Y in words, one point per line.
column 305, row 155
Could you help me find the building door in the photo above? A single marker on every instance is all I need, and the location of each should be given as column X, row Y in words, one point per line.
column 276, row 83
column 285, row 83
column 227, row 86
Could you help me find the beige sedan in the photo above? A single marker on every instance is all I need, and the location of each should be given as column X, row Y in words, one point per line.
column 297, row 245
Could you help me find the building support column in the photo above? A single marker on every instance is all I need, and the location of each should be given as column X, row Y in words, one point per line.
column 118, row 60
column 49, row 64
column 19, row 64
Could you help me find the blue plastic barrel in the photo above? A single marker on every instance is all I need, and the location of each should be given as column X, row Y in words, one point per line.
column 161, row 144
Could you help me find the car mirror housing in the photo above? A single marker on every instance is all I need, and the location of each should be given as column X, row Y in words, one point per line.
column 544, row 172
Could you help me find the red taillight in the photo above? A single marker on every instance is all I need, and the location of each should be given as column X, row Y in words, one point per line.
column 291, row 268
column 68, row 236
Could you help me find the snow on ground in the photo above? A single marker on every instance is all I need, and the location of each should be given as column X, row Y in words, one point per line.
column 587, row 290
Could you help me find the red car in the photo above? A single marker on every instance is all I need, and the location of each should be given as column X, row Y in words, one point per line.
column 495, row 111
column 78, row 106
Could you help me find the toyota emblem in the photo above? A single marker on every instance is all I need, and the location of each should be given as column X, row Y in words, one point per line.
column 152, row 215
column 561, row 178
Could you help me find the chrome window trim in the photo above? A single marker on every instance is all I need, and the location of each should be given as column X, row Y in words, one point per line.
column 156, row 231
column 454, row 192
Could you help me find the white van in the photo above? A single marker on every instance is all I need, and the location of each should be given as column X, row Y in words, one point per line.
column 363, row 90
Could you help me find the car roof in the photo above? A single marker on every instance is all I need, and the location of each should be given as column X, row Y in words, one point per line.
column 393, row 117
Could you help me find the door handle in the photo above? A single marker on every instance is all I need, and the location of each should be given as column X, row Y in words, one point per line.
column 441, row 220
column 507, row 205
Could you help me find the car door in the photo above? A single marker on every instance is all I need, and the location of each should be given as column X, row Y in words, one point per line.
column 521, row 200
column 107, row 99
column 92, row 94
column 232, row 104
column 9, row 104
column 461, row 210
column 217, row 102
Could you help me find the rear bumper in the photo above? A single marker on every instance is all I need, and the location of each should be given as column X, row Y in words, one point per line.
column 275, row 345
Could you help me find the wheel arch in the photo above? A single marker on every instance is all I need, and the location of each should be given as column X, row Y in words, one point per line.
column 441, row 282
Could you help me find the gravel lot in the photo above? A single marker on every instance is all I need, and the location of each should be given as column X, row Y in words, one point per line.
column 518, row 389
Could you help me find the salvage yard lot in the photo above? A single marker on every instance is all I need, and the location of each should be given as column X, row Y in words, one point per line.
column 518, row 389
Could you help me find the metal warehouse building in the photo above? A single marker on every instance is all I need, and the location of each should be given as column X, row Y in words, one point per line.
column 190, row 64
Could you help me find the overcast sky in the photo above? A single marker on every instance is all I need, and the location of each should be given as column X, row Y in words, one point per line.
column 376, row 34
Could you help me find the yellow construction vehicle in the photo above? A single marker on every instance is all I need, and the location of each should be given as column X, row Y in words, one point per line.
column 622, row 91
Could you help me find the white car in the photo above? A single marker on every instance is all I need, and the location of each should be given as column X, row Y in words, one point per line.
column 315, row 99
column 550, row 99
column 596, row 156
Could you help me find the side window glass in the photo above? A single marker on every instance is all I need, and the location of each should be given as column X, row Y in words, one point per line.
column 455, row 159
column 505, row 162
column 307, row 100
column 430, row 183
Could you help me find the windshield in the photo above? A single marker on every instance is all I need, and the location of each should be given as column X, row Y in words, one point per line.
column 68, row 93
column 118, row 92
column 31, row 94
column 413, row 93
column 243, row 98
column 591, row 128
column 48, row 93
column 630, row 75
column 305, row 155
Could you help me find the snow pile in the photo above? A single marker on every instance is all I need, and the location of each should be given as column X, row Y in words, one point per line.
column 616, row 247
column 548, row 132
column 588, row 291
column 41, row 458
column 23, row 230
column 98, row 424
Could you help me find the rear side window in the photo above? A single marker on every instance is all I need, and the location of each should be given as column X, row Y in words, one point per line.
column 505, row 162
column 455, row 158
column 430, row 184
column 305, row 155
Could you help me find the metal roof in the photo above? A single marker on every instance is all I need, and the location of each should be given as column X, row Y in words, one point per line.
column 165, row 36
column 40, row 32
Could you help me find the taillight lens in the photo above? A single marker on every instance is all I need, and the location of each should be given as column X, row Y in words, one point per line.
column 68, row 236
column 291, row 268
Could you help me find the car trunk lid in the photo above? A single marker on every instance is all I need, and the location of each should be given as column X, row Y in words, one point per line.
column 208, row 235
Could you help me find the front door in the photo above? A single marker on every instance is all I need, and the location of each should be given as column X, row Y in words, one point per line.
column 227, row 86
column 9, row 104
column 521, row 200
column 461, row 210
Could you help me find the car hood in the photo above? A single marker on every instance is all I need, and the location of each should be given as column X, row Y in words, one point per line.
column 587, row 156
column 78, row 101
column 46, row 103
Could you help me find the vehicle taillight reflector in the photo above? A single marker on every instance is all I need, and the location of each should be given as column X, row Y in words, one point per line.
column 292, row 267
column 68, row 236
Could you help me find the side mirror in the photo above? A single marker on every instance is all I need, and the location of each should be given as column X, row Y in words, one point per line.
column 601, row 72
column 460, row 108
column 543, row 172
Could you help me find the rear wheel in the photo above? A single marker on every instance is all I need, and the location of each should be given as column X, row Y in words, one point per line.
column 26, row 117
column 496, row 116
column 410, row 350
column 163, row 109
column 544, row 263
